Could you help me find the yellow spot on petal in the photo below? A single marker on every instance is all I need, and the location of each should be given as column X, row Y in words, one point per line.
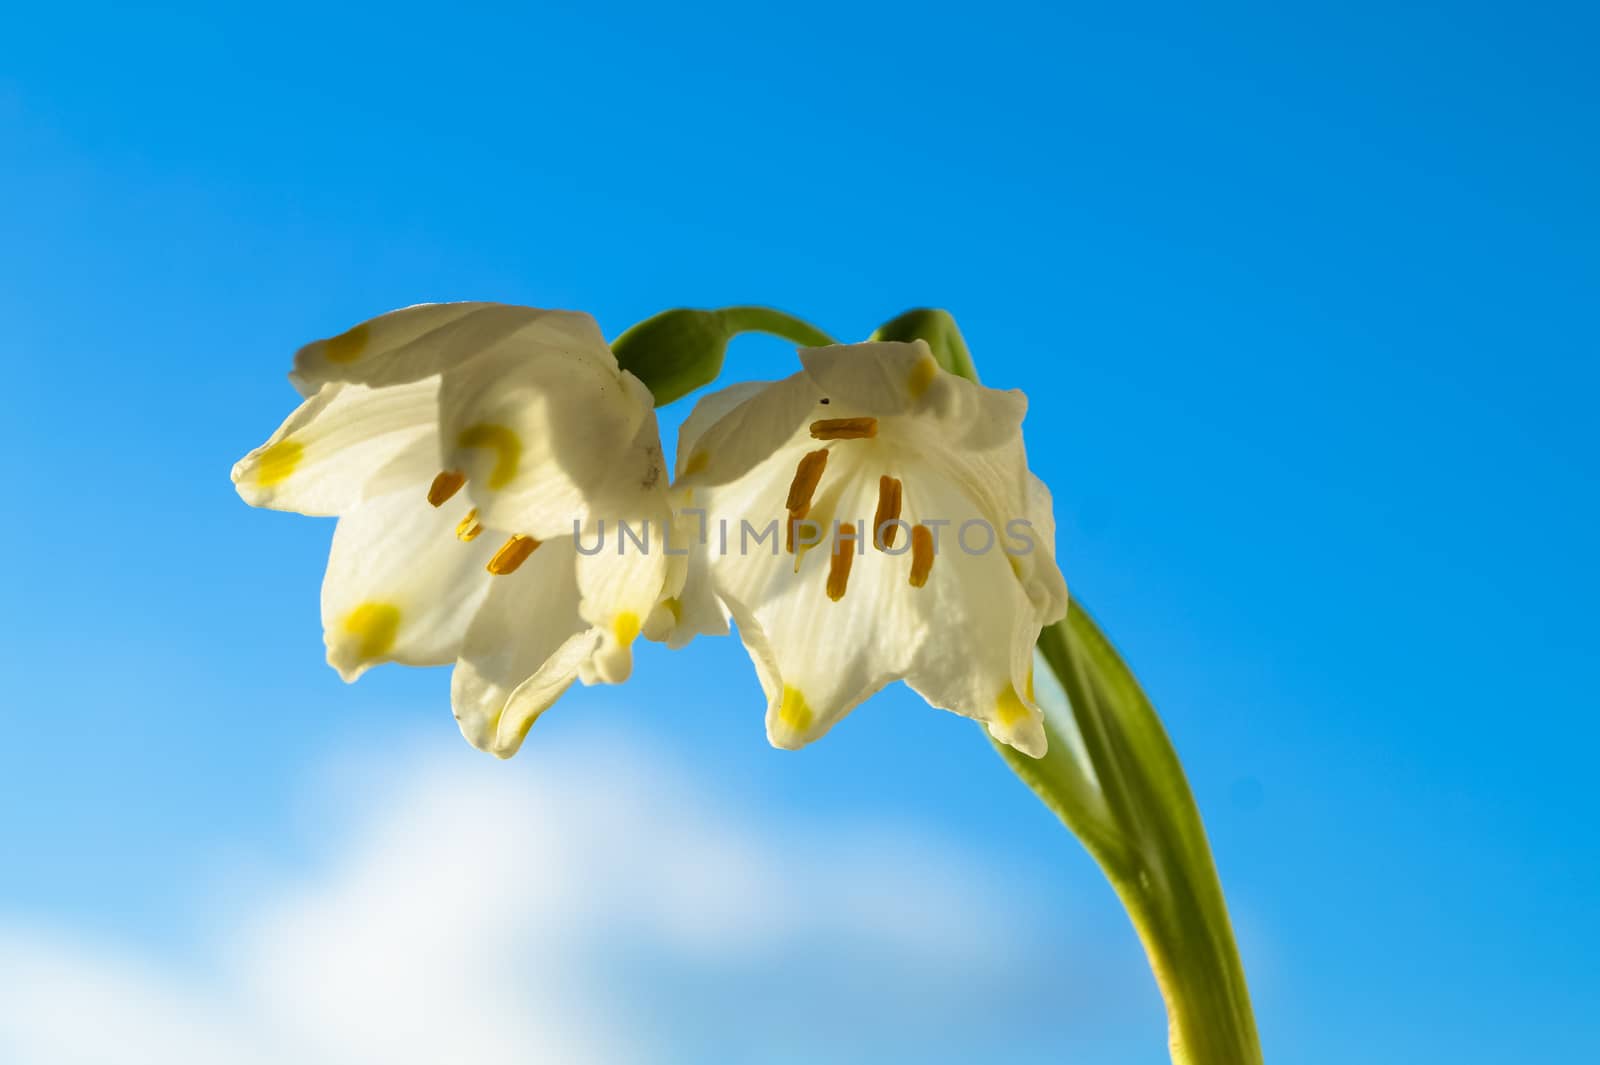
column 347, row 346
column 278, row 462
column 794, row 712
column 1009, row 709
column 375, row 625
column 1031, row 697
column 921, row 376
column 625, row 627
column 674, row 607
column 698, row 461
column 505, row 444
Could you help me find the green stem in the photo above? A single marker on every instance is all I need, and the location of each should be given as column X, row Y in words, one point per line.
column 775, row 322
column 680, row 350
column 1164, row 873
column 1131, row 806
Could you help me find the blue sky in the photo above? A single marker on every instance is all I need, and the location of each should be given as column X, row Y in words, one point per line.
column 1304, row 302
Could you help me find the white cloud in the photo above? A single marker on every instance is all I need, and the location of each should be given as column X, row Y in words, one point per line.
column 586, row 913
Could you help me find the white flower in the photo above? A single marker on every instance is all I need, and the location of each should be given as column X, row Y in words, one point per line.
column 915, row 543
column 459, row 444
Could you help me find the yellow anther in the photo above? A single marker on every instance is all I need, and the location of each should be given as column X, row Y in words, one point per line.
column 885, row 523
column 374, row 625
column 794, row 712
column 1009, row 709
column 844, row 429
column 468, row 528
column 278, row 462
column 844, row 555
column 921, row 555
column 347, row 346
column 445, row 485
column 505, row 444
column 625, row 627
column 807, row 475
column 513, row 553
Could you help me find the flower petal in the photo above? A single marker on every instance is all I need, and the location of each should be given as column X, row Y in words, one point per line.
column 545, row 434
column 817, row 657
column 690, row 606
column 430, row 338
column 883, row 377
column 708, row 411
column 622, row 575
column 522, row 650
column 320, row 460
column 401, row 585
column 976, row 655
column 733, row 431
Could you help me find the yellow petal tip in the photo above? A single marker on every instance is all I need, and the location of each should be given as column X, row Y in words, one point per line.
column 278, row 462
column 1010, row 710
column 374, row 627
column 625, row 627
column 794, row 713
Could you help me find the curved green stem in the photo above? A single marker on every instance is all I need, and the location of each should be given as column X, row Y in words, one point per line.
column 1127, row 800
column 680, row 350
column 1159, row 864
column 775, row 322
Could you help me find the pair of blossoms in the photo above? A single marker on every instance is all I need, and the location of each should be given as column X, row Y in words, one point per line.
column 465, row 447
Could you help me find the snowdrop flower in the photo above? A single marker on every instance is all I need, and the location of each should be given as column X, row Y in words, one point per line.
column 459, row 444
column 868, row 519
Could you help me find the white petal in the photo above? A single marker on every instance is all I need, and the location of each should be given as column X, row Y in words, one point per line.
column 708, row 411
column 321, row 458
column 623, row 571
column 430, row 338
column 930, row 407
column 523, row 649
column 976, row 655
column 1038, row 570
column 742, row 427
column 690, row 607
column 544, row 432
column 880, row 377
column 817, row 658
column 401, row 586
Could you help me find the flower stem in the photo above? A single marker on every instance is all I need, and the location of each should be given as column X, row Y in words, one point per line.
column 775, row 322
column 1129, row 803
column 1159, row 863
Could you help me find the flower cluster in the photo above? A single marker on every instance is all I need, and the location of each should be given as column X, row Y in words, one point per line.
column 503, row 505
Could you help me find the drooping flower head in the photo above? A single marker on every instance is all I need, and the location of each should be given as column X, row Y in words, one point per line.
column 461, row 445
column 869, row 519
